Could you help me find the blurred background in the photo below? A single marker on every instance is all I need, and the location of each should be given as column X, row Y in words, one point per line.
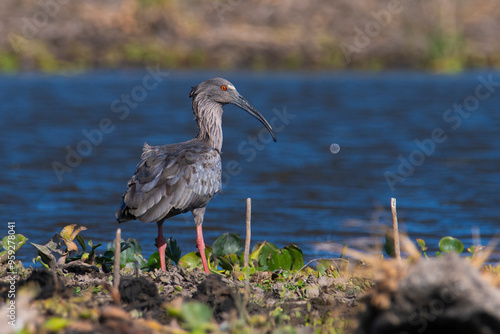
column 357, row 92
column 441, row 35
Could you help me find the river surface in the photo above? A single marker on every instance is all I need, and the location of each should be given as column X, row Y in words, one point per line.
column 347, row 143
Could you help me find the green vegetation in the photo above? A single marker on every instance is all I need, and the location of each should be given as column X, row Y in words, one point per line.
column 11, row 244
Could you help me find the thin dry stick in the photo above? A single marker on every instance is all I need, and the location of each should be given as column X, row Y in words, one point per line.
column 116, row 264
column 397, row 250
column 247, row 240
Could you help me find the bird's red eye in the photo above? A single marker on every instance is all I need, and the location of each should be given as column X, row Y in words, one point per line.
column 223, row 87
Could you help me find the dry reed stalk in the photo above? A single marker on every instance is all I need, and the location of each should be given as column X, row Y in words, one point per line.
column 248, row 234
column 397, row 250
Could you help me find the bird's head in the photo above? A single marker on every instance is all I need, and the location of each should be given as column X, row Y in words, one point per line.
column 221, row 91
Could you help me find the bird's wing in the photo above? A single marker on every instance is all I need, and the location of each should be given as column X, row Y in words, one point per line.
column 171, row 180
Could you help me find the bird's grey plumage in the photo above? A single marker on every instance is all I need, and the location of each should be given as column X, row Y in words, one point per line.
column 171, row 180
column 177, row 178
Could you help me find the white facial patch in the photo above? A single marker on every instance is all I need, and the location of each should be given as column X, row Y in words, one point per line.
column 230, row 87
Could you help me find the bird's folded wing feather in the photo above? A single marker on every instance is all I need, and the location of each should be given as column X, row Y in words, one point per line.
column 172, row 179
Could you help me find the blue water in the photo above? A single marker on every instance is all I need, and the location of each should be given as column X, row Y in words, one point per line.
column 301, row 192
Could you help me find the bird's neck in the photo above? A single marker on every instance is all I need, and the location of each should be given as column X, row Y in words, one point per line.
column 209, row 117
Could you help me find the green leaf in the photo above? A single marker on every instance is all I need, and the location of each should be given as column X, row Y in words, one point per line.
column 135, row 246
column 196, row 315
column 56, row 324
column 154, row 261
column 81, row 241
column 4, row 256
column 193, row 260
column 54, row 244
column 279, row 259
column 247, row 272
column 265, row 251
column 190, row 260
column 46, row 255
column 227, row 243
column 131, row 251
column 173, row 251
column 323, row 264
column 450, row 244
column 389, row 244
column 421, row 243
column 11, row 242
column 229, row 262
column 297, row 257
column 16, row 240
column 225, row 263
column 91, row 258
column 254, row 255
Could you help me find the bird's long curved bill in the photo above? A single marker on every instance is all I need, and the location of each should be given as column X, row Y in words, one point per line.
column 243, row 103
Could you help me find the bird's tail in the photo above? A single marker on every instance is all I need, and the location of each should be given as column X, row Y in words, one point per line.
column 123, row 214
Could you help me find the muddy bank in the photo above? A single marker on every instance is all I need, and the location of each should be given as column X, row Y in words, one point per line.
column 82, row 301
column 386, row 296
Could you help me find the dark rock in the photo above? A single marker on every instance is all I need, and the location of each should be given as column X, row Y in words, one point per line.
column 139, row 293
column 441, row 295
column 48, row 283
column 81, row 268
column 217, row 295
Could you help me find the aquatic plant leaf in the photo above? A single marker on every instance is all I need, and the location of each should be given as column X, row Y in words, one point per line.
column 91, row 257
column 297, row 257
column 130, row 252
column 450, row 244
column 254, row 255
column 154, row 261
column 16, row 240
column 56, row 245
column 46, row 255
column 279, row 259
column 11, row 242
column 190, row 260
column 227, row 243
column 263, row 256
column 225, row 263
column 135, row 246
column 193, row 260
column 229, row 261
column 81, row 241
column 173, row 251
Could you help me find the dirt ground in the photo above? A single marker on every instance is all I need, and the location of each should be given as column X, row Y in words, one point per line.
column 80, row 299
column 436, row 295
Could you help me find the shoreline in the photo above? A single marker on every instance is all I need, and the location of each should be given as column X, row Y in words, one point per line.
column 255, row 35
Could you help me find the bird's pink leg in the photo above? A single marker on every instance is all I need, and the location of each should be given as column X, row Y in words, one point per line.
column 200, row 244
column 162, row 245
